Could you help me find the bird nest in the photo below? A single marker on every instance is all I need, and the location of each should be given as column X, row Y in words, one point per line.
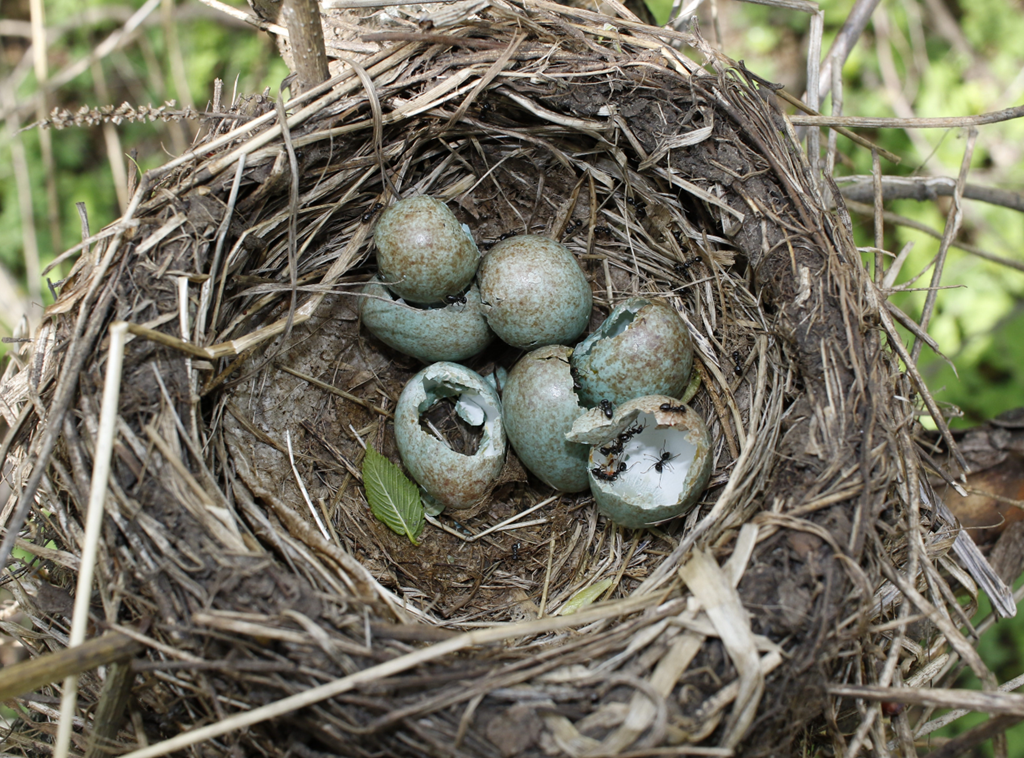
column 276, row 615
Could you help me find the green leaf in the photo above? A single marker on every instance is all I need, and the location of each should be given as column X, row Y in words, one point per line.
column 585, row 597
column 393, row 499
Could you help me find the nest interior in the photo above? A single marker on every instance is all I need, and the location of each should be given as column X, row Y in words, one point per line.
column 238, row 547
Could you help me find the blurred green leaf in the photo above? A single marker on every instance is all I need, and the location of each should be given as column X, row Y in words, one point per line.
column 585, row 597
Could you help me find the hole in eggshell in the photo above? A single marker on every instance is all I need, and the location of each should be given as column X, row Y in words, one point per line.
column 454, row 301
column 442, row 422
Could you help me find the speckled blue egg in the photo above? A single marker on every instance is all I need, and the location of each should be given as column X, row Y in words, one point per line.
column 444, row 333
column 453, row 479
column 534, row 292
column 423, row 252
column 642, row 348
column 540, row 406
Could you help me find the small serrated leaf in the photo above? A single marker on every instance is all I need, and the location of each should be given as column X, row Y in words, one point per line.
column 585, row 597
column 393, row 499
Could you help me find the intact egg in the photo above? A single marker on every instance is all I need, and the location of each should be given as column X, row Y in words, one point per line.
column 540, row 406
column 642, row 348
column 534, row 292
column 649, row 463
column 455, row 478
column 453, row 332
column 423, row 252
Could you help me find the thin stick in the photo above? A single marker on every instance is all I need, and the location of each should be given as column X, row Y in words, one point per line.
column 852, row 29
column 248, row 18
column 511, row 519
column 111, row 139
column 949, row 122
column 302, row 487
column 852, row 136
column 927, row 188
column 547, row 578
column 894, row 218
column 94, row 522
column 953, row 220
column 30, row 675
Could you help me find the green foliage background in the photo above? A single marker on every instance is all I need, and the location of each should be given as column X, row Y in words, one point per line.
column 925, row 57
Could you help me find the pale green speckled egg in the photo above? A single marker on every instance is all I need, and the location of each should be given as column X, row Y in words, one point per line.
column 642, row 348
column 450, row 333
column 423, row 252
column 534, row 292
column 540, row 406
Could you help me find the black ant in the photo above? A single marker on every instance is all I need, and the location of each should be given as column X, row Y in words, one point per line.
column 602, row 230
column 506, row 235
column 638, row 210
column 607, row 408
column 486, row 107
column 678, row 237
column 455, row 299
column 604, row 476
column 571, row 228
column 661, row 462
column 575, row 374
column 684, row 267
column 613, row 449
column 515, row 550
column 739, row 364
column 669, row 408
column 372, row 211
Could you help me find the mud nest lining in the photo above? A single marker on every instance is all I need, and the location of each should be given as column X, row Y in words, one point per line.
column 249, row 391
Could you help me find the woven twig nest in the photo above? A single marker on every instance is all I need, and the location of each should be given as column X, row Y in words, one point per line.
column 238, row 547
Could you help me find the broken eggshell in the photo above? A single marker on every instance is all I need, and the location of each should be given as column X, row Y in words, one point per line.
column 452, row 478
column 540, row 406
column 423, row 252
column 642, row 348
column 450, row 333
column 649, row 463
column 534, row 292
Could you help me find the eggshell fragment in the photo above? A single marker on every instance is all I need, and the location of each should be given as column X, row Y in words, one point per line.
column 652, row 463
column 453, row 479
column 450, row 333
column 423, row 252
column 534, row 292
column 642, row 348
column 540, row 406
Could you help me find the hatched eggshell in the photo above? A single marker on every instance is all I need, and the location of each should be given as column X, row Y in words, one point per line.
column 534, row 292
column 423, row 252
column 453, row 479
column 667, row 461
column 450, row 333
column 642, row 348
column 540, row 406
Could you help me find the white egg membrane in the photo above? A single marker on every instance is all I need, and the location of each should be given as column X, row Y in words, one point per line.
column 472, row 407
column 641, row 481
